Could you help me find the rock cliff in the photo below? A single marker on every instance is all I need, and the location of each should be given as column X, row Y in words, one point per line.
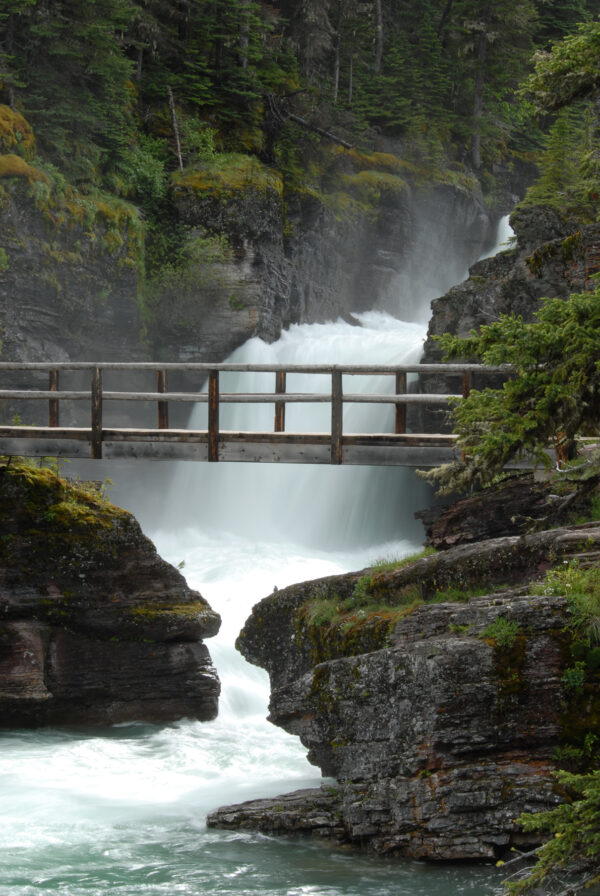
column 551, row 257
column 95, row 628
column 435, row 694
column 72, row 283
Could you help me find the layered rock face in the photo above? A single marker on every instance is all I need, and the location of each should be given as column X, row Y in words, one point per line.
column 439, row 727
column 70, row 265
column 68, row 284
column 95, row 628
column 552, row 258
column 308, row 263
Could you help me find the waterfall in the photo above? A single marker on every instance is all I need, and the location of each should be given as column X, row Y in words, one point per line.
column 122, row 811
column 333, row 507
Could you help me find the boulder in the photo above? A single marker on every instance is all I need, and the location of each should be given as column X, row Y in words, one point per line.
column 95, row 627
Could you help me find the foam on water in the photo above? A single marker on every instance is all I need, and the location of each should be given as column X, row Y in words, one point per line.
column 121, row 811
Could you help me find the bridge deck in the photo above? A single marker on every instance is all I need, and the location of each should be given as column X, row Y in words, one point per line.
column 379, row 449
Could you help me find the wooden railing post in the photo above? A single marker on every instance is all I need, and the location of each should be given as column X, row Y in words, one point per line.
column 467, row 383
column 53, row 412
column 337, row 412
column 280, row 405
column 163, row 406
column 96, row 403
column 213, row 416
column 400, row 424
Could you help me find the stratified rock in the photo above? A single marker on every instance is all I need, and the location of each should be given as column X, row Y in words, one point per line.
column 444, row 732
column 515, row 507
column 552, row 258
column 94, row 626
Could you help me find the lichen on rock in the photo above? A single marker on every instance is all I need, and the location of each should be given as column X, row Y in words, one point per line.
column 441, row 735
column 95, row 626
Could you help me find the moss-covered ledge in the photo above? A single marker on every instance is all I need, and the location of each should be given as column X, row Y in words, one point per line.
column 94, row 625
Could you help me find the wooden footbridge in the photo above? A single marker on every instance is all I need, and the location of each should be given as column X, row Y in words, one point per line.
column 101, row 438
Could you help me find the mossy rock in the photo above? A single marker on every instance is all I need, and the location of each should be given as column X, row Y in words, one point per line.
column 226, row 175
column 16, row 133
column 12, row 165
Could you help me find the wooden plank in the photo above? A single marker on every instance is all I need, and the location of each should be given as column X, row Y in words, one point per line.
column 45, row 447
column 47, row 394
column 45, row 432
column 163, row 406
column 181, row 436
column 400, row 418
column 398, row 456
column 96, row 409
column 280, row 382
column 201, row 436
column 236, row 397
column 155, row 451
column 53, row 405
column 213, row 416
column 250, row 452
column 337, row 410
column 206, row 367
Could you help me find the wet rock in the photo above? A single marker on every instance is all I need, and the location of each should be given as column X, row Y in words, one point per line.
column 518, row 506
column 95, row 628
column 443, row 734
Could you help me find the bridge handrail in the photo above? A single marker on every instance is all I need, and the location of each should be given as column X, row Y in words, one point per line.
column 204, row 367
column 213, row 397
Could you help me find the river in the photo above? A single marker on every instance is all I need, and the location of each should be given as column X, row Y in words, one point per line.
column 122, row 811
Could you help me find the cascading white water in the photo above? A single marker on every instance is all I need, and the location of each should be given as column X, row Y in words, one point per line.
column 122, row 811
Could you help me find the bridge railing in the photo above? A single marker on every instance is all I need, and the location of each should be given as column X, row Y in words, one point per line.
column 214, row 397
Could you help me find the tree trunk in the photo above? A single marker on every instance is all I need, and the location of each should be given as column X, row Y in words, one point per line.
column 350, row 76
column 444, row 19
column 336, row 60
column 244, row 33
column 175, row 127
column 378, row 37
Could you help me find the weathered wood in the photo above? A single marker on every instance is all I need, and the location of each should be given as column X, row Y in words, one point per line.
column 213, row 445
column 400, row 419
column 53, row 405
column 45, row 432
column 96, row 409
column 467, row 383
column 237, row 397
column 205, row 367
column 280, row 383
column 47, row 394
column 163, row 406
column 213, row 416
column 337, row 411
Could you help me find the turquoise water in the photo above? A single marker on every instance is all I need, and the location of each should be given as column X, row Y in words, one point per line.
column 122, row 811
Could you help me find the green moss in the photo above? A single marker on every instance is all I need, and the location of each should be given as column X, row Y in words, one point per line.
column 373, row 186
column 227, row 174
column 175, row 611
column 567, row 251
column 54, row 527
column 15, row 133
column 12, row 165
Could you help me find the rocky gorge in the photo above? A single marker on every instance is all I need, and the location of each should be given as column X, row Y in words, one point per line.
column 255, row 255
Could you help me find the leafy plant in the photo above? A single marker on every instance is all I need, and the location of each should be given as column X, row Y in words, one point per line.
column 581, row 587
column 574, row 829
column 503, row 631
column 574, row 677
